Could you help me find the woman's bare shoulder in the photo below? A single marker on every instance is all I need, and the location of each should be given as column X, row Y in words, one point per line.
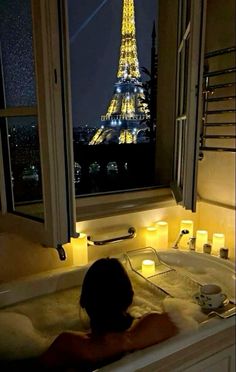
column 150, row 329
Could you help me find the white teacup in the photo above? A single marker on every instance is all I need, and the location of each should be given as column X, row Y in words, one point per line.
column 210, row 296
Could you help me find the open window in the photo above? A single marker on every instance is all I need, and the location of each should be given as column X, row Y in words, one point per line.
column 113, row 79
column 35, row 114
column 111, row 160
column 36, row 162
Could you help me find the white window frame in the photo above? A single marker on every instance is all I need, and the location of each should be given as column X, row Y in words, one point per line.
column 187, row 127
column 56, row 155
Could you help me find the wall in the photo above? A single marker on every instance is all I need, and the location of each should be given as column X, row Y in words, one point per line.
column 20, row 257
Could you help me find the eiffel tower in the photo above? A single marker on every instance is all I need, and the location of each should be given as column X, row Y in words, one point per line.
column 124, row 122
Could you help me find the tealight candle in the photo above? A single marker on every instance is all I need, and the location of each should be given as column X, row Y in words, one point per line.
column 148, row 267
column 151, row 236
column 162, row 234
column 201, row 239
column 186, row 225
column 218, row 241
column 80, row 249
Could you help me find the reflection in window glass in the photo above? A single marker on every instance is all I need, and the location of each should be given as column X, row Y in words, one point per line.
column 25, row 159
column 17, row 54
column 113, row 77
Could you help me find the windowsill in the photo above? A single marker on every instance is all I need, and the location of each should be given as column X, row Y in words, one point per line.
column 127, row 202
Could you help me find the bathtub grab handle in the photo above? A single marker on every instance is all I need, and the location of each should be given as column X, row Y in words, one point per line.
column 131, row 235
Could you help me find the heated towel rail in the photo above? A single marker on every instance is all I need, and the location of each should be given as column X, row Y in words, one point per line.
column 219, row 83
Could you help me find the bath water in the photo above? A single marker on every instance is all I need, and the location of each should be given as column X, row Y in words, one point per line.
column 29, row 327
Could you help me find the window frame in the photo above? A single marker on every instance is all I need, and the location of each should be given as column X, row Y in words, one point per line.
column 187, row 139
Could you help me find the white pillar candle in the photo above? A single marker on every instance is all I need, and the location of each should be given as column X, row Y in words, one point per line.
column 148, row 267
column 151, row 236
column 218, row 241
column 162, row 234
column 186, row 225
column 80, row 250
column 201, row 239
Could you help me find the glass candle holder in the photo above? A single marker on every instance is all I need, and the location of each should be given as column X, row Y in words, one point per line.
column 148, row 267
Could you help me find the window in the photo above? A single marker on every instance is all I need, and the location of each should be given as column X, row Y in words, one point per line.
column 49, row 173
column 113, row 83
column 35, row 156
column 19, row 122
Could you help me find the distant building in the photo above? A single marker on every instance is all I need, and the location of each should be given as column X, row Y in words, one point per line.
column 128, row 111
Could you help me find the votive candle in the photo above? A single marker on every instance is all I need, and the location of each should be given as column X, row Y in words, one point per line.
column 218, row 241
column 186, row 225
column 80, row 249
column 162, row 234
column 148, row 267
column 151, row 236
column 201, row 239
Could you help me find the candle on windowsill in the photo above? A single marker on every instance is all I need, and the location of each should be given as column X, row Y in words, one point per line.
column 201, row 239
column 186, row 225
column 151, row 236
column 218, row 241
column 162, row 234
column 148, row 267
column 80, row 250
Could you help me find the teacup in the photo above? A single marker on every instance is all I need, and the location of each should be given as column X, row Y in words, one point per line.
column 210, row 296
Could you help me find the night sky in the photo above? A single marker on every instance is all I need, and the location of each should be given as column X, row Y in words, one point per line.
column 94, row 52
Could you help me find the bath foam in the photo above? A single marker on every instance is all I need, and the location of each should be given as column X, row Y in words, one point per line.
column 185, row 314
column 50, row 314
column 28, row 328
column 147, row 298
column 19, row 339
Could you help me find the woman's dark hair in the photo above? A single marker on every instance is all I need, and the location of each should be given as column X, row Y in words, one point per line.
column 106, row 295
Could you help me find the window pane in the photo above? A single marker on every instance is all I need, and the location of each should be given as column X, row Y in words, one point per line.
column 17, row 54
column 112, row 95
column 25, row 165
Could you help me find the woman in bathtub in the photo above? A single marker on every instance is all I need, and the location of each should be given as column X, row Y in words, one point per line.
column 106, row 296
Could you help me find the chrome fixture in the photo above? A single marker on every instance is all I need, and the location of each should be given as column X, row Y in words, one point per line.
column 61, row 252
column 182, row 232
column 192, row 244
column 131, row 232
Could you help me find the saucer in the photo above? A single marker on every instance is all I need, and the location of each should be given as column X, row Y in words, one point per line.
column 206, row 306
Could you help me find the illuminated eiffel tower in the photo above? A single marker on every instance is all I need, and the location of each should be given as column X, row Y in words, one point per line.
column 127, row 112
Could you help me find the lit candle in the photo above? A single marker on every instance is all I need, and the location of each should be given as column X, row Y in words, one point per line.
column 162, row 235
column 148, row 267
column 80, row 249
column 151, row 236
column 186, row 225
column 218, row 242
column 201, row 239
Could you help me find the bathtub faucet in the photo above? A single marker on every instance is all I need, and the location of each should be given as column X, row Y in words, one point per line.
column 182, row 232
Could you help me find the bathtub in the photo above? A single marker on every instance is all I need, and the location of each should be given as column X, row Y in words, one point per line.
column 210, row 348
